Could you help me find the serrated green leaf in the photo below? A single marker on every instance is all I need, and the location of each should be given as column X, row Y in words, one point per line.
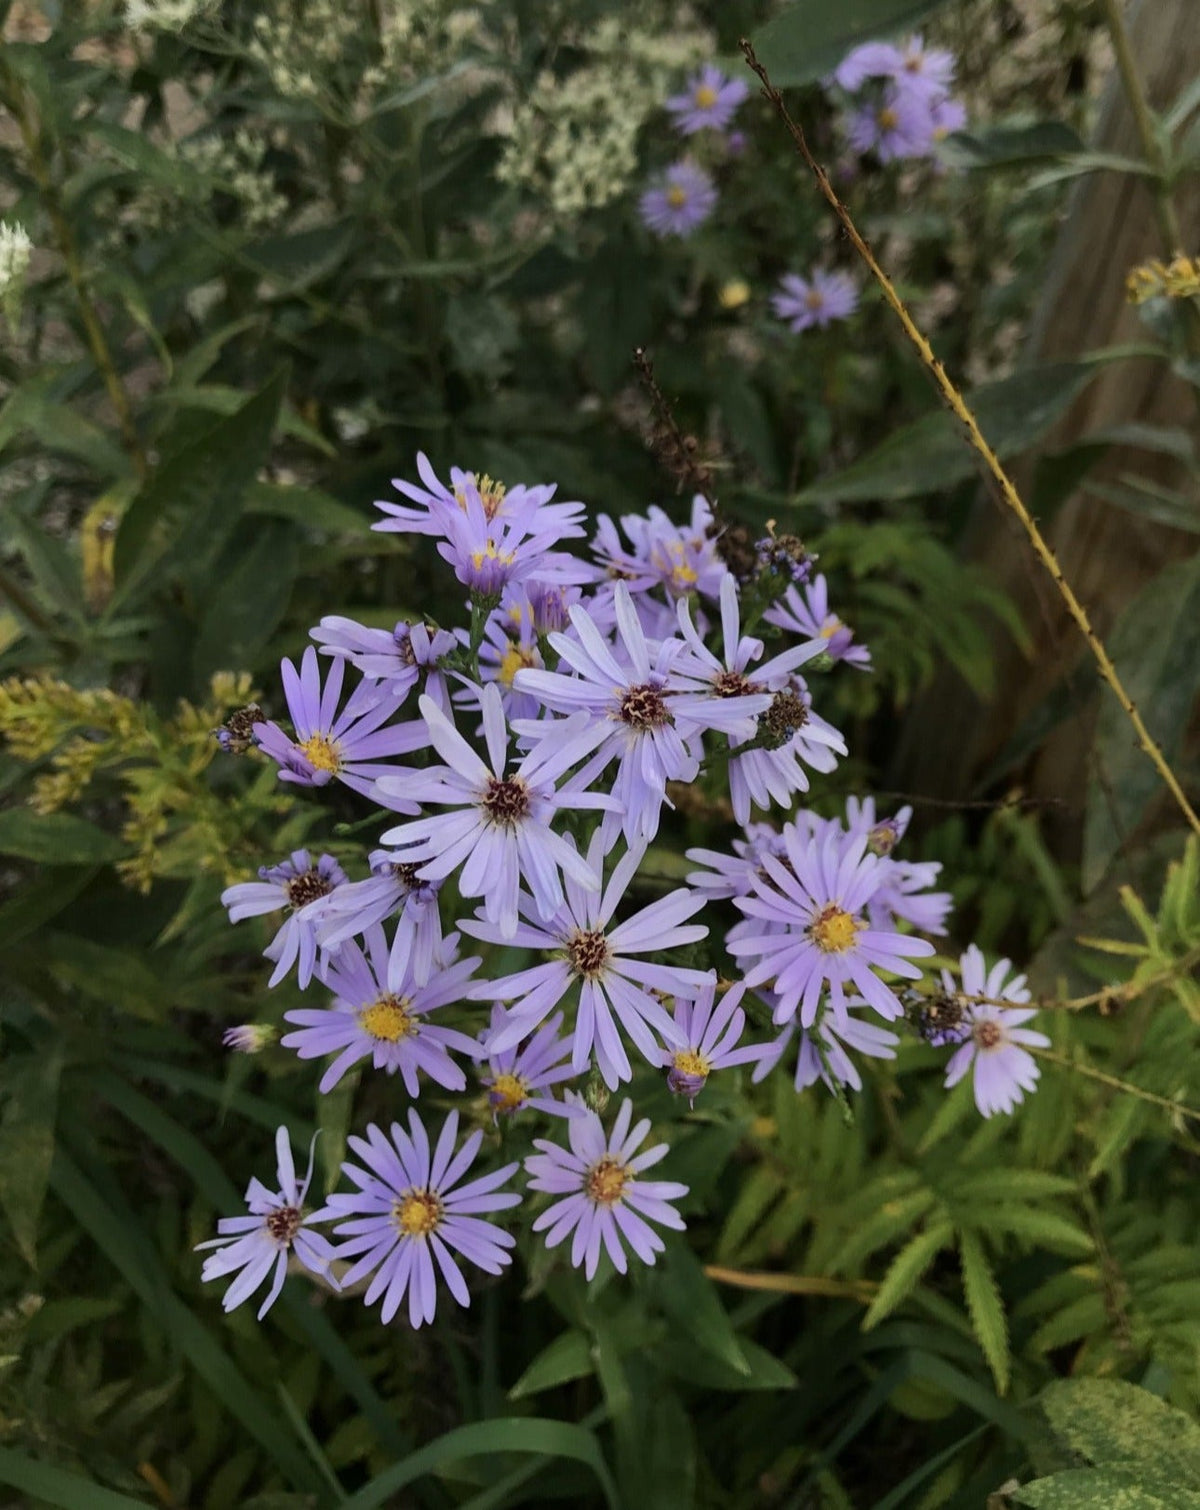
column 906, row 1270
column 985, row 1307
column 1046, row 1229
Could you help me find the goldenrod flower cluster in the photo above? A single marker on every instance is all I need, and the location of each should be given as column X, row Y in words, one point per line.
column 1177, row 279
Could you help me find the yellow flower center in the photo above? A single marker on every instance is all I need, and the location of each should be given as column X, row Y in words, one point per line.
column 515, row 658
column 606, row 1182
column 830, row 627
column 692, row 1062
column 321, row 752
column 833, row 930
column 671, row 560
column 387, row 1020
column 706, row 96
column 507, row 1093
column 491, row 494
column 417, row 1213
column 734, row 294
column 887, row 118
column 676, row 196
column 492, row 554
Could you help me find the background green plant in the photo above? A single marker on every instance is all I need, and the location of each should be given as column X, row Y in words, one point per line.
column 272, row 264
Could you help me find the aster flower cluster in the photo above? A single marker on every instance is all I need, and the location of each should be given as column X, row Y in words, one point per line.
column 900, row 104
column 684, row 195
column 520, row 766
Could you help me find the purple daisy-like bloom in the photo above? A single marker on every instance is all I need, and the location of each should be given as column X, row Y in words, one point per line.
column 870, row 60
column 602, row 1198
column 904, row 894
column 733, row 697
column 993, row 1036
column 819, row 895
column 823, row 1049
column 392, row 886
column 947, row 115
column 682, row 199
column 615, row 987
column 883, row 834
column 381, row 1013
column 711, row 1035
column 490, row 552
column 300, row 886
column 261, row 1243
column 400, row 656
column 928, row 71
column 794, row 737
column 710, row 100
column 729, row 875
column 805, row 611
column 437, row 504
column 501, row 832
column 510, row 644
column 629, row 708
column 898, row 126
column 349, row 746
column 816, row 300
column 515, row 1076
column 407, row 1214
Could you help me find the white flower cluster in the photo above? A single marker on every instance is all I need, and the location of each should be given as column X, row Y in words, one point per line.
column 574, row 140
column 234, row 164
column 15, row 252
column 163, row 15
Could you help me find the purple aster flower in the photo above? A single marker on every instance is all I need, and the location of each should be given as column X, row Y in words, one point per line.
column 350, row 745
column 805, row 611
column 392, row 886
column 501, row 833
column 683, row 198
column 710, row 99
column 819, row 895
column 1004, row 1070
column 816, row 300
column 615, row 987
column 407, row 1214
column 438, row 505
column 904, row 894
column 489, row 552
column 870, row 60
column 516, row 1075
column 729, row 875
column 883, row 834
column 822, row 1054
column 630, row 717
column 381, row 1013
column 400, row 657
column 947, row 115
column 602, row 1197
column 792, row 736
column 900, row 125
column 300, row 886
column 711, row 1037
column 510, row 644
column 260, row 1244
column 927, row 71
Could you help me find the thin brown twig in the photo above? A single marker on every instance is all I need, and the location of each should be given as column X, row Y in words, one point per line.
column 792, row 1284
column 679, row 453
column 962, row 412
column 1107, row 996
column 1114, row 1082
column 986, row 804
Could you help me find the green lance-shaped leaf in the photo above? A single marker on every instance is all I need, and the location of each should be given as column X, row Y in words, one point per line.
column 1110, row 1421
column 568, row 1357
column 906, row 1270
column 27, row 1143
column 54, row 1486
column 985, row 1307
column 808, row 40
column 55, row 838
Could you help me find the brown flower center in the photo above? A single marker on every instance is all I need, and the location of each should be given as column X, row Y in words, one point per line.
column 786, row 716
column 307, row 888
column 606, row 1182
column 587, row 951
column 987, row 1034
column 734, row 684
column 833, row 930
column 506, row 802
column 644, row 707
column 283, row 1223
column 418, row 1213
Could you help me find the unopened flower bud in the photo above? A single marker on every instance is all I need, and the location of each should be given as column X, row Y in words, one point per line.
column 884, row 837
column 596, row 1094
column 249, row 1037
